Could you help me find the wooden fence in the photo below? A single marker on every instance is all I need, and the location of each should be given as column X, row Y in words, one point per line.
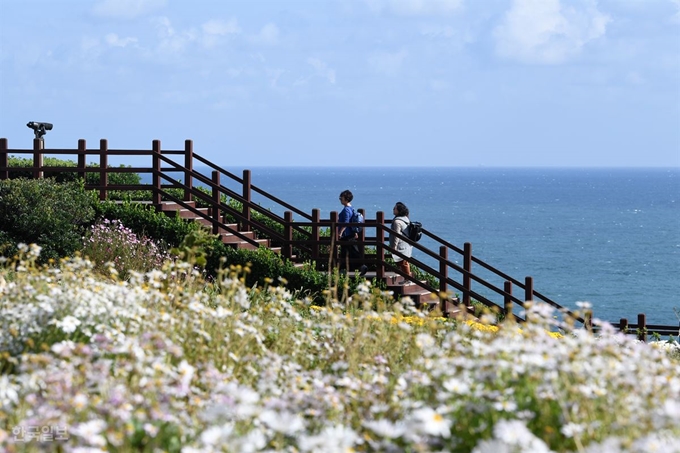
column 300, row 234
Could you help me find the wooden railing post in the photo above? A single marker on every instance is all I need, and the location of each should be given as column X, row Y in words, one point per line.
column 215, row 211
column 82, row 158
column 156, row 178
column 4, row 158
column 642, row 327
column 188, row 166
column 38, row 158
column 528, row 288
column 623, row 325
column 443, row 269
column 287, row 250
column 507, row 299
column 334, row 238
column 316, row 235
column 246, row 197
column 444, row 303
column 588, row 320
column 103, row 167
column 467, row 265
column 380, row 238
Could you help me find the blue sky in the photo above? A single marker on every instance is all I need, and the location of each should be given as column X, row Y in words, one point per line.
column 350, row 82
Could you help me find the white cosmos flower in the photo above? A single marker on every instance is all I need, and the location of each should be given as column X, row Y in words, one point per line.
column 332, row 439
column 386, row 428
column 505, row 406
column 660, row 442
column 91, row 432
column 457, row 386
column 428, row 421
column 8, row 392
column 572, row 429
column 241, row 298
column 282, row 422
column 492, row 446
column 516, row 434
column 217, row 435
column 425, row 341
column 69, row 324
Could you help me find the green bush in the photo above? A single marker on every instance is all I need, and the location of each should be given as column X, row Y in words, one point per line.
column 45, row 212
column 144, row 220
column 267, row 268
column 65, row 176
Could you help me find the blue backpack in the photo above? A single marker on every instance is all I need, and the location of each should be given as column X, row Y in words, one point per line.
column 357, row 217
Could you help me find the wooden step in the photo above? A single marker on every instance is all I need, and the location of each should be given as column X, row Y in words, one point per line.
column 186, row 213
column 173, row 209
column 247, row 245
column 174, row 206
column 230, row 237
column 208, row 223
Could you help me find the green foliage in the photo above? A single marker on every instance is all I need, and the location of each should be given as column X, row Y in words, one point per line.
column 64, row 176
column 7, row 244
column 195, row 247
column 114, row 177
column 266, row 268
column 144, row 220
column 45, row 212
column 48, row 162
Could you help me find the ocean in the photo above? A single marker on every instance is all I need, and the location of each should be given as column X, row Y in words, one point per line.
column 610, row 237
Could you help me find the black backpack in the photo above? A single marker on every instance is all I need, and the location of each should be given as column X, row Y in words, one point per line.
column 414, row 231
column 356, row 218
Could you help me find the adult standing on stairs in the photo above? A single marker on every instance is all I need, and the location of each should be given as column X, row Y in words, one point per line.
column 399, row 225
column 346, row 233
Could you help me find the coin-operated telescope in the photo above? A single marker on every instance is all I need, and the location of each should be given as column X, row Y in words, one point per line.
column 39, row 128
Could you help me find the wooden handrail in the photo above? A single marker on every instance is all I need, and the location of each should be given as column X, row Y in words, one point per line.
column 303, row 235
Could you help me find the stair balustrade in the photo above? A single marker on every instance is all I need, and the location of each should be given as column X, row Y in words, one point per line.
column 299, row 236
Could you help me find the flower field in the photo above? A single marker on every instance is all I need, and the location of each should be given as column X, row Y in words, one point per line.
column 164, row 361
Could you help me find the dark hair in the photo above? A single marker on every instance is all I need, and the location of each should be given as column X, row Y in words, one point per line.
column 347, row 195
column 402, row 210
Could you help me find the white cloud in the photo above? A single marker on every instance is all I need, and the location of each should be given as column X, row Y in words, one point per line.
column 127, row 9
column 114, row 40
column 545, row 31
column 387, row 63
column 220, row 27
column 416, row 7
column 269, row 34
column 214, row 29
column 274, row 76
column 676, row 17
column 171, row 41
column 322, row 69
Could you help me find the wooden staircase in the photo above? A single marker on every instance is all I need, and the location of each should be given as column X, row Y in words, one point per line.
column 173, row 209
column 421, row 297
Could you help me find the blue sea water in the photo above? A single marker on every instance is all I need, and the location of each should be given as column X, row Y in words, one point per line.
column 610, row 237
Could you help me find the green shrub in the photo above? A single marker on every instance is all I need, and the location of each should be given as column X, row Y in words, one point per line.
column 144, row 220
column 267, row 268
column 44, row 212
column 65, row 176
